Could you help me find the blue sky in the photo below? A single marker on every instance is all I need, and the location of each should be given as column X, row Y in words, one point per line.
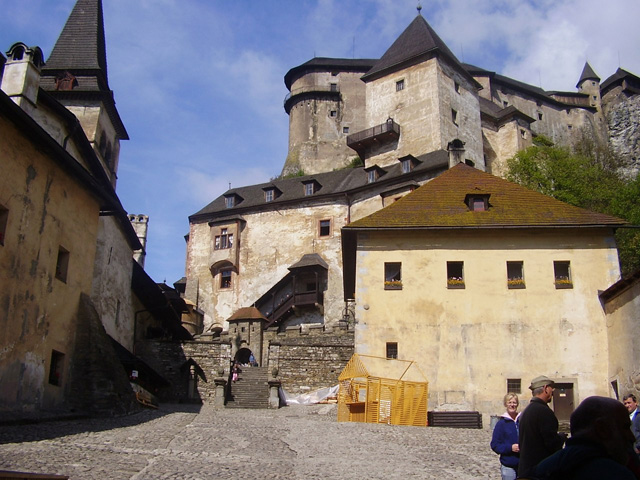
column 199, row 83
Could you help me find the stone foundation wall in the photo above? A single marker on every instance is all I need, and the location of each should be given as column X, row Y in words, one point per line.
column 308, row 358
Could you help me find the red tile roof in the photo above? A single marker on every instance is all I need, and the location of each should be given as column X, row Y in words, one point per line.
column 440, row 203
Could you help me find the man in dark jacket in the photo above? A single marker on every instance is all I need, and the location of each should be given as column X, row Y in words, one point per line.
column 538, row 436
column 599, row 445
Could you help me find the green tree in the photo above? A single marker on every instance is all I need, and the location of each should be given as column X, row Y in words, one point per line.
column 587, row 177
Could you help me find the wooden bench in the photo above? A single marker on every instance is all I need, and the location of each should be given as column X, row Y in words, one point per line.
column 455, row 419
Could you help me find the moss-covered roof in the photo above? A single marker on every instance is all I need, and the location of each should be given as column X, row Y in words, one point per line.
column 440, row 203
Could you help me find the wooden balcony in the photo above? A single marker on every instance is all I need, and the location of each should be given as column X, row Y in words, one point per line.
column 383, row 133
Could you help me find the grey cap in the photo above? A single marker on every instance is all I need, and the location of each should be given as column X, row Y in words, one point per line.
column 540, row 381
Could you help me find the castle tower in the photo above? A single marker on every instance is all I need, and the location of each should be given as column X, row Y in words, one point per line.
column 589, row 83
column 140, row 224
column 21, row 76
column 326, row 102
column 76, row 75
column 419, row 99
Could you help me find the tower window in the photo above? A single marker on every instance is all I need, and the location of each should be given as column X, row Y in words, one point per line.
column 539, row 115
column 324, row 228
column 399, row 85
column 333, row 113
column 454, row 116
column 225, row 279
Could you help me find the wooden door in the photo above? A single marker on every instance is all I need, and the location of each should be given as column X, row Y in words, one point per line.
column 563, row 401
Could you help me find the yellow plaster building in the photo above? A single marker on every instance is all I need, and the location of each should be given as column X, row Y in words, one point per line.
column 484, row 284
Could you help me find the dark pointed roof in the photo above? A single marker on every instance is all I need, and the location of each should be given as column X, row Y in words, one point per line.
column 81, row 45
column 440, row 203
column 587, row 74
column 81, row 51
column 417, row 43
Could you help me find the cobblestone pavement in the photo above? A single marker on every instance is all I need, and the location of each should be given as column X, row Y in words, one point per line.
column 293, row 443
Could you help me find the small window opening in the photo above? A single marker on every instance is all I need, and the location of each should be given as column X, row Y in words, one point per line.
column 55, row 368
column 455, row 274
column 454, row 116
column 393, row 276
column 562, row 274
column 345, row 129
column 399, row 85
column 539, row 115
column 514, row 385
column 523, row 133
column 505, row 104
column 334, row 87
column 62, row 264
column 471, row 163
column 456, row 87
column 392, row 349
column 225, row 279
column 324, row 228
column 515, row 275
column 333, row 113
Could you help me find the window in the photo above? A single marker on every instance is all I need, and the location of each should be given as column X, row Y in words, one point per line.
column 334, row 87
column 345, row 129
column 308, row 188
column 455, row 274
column 334, row 74
column 55, row 368
column 229, row 202
column 372, row 176
column 456, row 87
column 454, row 116
column 562, row 274
column 514, row 385
column 471, row 163
column 62, row 264
column 225, row 279
column 333, row 113
column 406, row 165
column 324, row 228
column 269, row 195
column 477, row 203
column 4, row 217
column 393, row 276
column 399, row 85
column 515, row 275
column 224, row 240
column 392, row 349
column 539, row 115
column 505, row 104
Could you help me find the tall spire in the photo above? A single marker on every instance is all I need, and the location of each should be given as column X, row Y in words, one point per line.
column 81, row 49
column 587, row 74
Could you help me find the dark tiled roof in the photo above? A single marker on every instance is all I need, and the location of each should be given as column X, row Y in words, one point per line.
column 326, row 64
column 81, row 45
column 440, row 203
column 617, row 78
column 417, row 41
column 499, row 115
column 620, row 286
column 587, row 74
column 310, row 260
column 331, row 184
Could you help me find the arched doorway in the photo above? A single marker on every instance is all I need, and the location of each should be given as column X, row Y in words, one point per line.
column 244, row 357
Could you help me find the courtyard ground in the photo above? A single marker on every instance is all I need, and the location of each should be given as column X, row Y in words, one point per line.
column 202, row 442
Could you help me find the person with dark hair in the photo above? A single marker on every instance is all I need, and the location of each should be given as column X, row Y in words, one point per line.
column 505, row 438
column 598, row 447
column 631, row 404
column 539, row 435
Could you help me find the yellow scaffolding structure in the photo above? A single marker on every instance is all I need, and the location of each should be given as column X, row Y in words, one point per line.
column 382, row 390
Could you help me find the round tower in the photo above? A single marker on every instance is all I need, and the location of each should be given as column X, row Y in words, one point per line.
column 326, row 102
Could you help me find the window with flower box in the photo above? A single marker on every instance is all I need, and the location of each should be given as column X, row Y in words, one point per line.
column 515, row 275
column 455, row 274
column 562, row 274
column 393, row 276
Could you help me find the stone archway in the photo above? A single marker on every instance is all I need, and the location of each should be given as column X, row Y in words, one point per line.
column 243, row 355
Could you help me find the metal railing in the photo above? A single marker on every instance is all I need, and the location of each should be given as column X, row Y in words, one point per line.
column 388, row 127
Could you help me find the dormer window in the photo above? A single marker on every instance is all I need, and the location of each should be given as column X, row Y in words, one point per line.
column 477, row 202
column 232, row 200
column 268, row 195
column 406, row 165
column 374, row 173
column 310, row 187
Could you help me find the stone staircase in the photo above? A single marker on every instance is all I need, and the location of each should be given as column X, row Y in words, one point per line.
column 251, row 390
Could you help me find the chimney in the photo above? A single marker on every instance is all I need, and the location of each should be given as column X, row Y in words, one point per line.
column 456, row 152
column 21, row 76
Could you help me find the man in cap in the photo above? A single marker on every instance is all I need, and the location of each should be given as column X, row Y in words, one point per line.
column 538, row 436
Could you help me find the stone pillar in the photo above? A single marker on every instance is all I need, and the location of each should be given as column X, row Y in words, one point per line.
column 274, row 395
column 221, row 384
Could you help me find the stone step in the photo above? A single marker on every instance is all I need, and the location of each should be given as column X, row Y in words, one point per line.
column 250, row 390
